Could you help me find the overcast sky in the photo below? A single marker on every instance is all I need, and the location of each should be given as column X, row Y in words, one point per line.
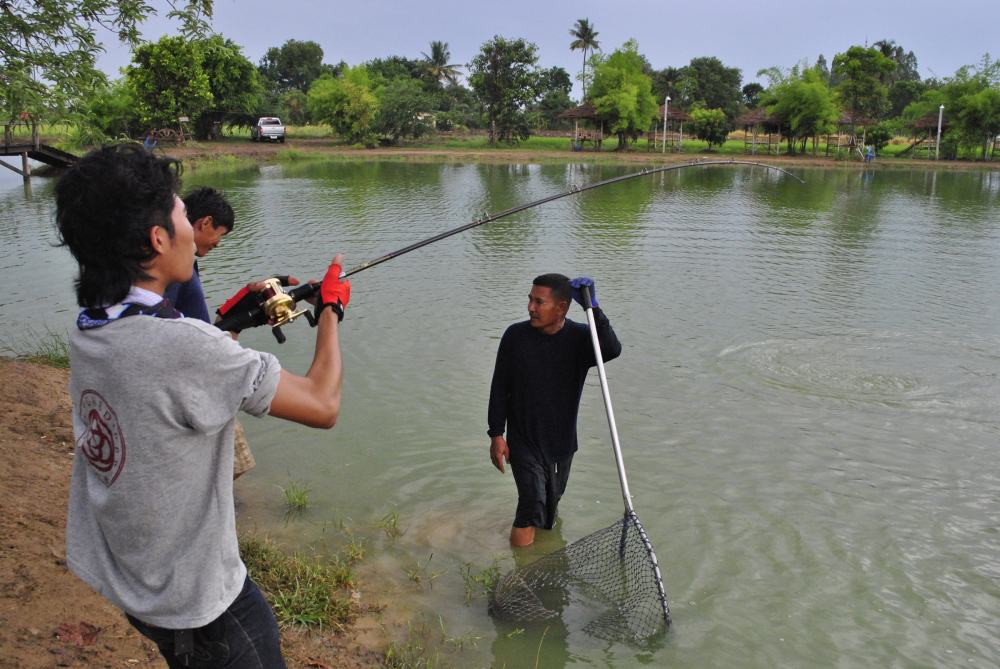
column 747, row 35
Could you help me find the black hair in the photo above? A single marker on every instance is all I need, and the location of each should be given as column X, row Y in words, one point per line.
column 106, row 203
column 207, row 201
column 561, row 290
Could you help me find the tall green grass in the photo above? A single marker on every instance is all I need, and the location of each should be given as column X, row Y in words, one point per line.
column 51, row 348
column 303, row 591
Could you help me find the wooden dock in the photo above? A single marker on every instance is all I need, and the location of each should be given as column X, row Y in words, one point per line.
column 32, row 149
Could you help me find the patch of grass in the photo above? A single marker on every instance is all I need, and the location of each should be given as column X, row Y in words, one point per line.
column 221, row 162
column 419, row 572
column 296, row 155
column 390, row 524
column 355, row 550
column 50, row 349
column 480, row 581
column 303, row 591
column 412, row 653
column 457, row 642
column 296, row 496
column 308, row 131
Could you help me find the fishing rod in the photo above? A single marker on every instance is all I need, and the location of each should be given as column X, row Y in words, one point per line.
column 275, row 306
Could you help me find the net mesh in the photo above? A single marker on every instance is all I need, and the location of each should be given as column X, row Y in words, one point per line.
column 609, row 582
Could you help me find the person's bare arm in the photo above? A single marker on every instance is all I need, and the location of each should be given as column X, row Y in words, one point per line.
column 314, row 399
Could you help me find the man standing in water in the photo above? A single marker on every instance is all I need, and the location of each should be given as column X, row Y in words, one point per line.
column 541, row 366
column 151, row 523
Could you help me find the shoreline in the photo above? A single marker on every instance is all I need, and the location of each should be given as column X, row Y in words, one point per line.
column 202, row 153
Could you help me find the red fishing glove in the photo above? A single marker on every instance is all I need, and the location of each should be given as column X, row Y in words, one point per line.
column 334, row 292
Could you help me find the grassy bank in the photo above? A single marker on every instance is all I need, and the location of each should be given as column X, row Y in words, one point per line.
column 234, row 148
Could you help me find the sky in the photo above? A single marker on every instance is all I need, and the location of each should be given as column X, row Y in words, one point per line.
column 747, row 35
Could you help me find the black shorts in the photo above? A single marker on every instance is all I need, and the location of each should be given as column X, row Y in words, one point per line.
column 540, row 486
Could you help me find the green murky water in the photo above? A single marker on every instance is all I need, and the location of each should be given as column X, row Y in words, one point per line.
column 808, row 399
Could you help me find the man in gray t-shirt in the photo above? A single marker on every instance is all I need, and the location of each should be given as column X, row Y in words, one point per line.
column 151, row 524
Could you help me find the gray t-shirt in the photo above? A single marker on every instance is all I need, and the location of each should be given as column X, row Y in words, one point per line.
column 151, row 522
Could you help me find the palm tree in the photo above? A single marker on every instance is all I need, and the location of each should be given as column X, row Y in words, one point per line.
column 436, row 64
column 586, row 38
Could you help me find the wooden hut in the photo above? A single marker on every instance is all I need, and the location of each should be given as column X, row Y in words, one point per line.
column 671, row 140
column 924, row 136
column 593, row 135
column 761, row 131
column 847, row 134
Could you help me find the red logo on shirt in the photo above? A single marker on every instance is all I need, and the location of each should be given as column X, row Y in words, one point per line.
column 102, row 442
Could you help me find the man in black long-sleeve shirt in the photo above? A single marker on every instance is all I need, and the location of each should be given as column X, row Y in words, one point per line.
column 541, row 366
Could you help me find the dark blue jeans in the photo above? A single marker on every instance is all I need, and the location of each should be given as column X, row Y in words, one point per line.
column 245, row 636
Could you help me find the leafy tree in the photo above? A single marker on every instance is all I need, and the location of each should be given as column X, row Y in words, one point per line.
column 292, row 66
column 880, row 135
column 902, row 93
column 403, row 110
column 710, row 125
column 623, row 94
column 823, row 69
column 584, row 39
column 50, row 47
column 108, row 112
column 384, row 70
column 504, row 77
column 667, row 82
column 972, row 106
column 436, row 67
column 979, row 118
column 294, row 107
column 347, row 104
column 860, row 72
column 237, row 91
column 906, row 62
column 554, row 85
column 457, row 108
column 167, row 80
column 804, row 104
column 554, row 80
column 751, row 94
column 710, row 84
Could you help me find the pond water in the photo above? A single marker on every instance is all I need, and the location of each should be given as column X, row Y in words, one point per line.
column 808, row 398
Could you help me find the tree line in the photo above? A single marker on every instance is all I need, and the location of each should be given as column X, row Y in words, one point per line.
column 49, row 72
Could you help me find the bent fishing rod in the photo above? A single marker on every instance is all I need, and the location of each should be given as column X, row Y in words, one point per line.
column 276, row 307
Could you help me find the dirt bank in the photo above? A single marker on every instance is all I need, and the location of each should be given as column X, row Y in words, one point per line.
column 48, row 617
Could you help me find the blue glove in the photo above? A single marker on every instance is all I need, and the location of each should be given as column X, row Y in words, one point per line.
column 577, row 284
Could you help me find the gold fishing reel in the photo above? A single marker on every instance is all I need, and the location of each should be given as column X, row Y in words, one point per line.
column 280, row 308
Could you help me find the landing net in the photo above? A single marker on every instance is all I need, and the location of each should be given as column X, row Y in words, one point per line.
column 609, row 580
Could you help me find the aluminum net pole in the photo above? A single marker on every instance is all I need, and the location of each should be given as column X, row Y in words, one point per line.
column 626, row 495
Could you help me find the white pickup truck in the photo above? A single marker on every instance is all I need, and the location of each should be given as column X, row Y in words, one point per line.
column 268, row 128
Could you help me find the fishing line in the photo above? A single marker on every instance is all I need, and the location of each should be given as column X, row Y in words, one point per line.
column 258, row 313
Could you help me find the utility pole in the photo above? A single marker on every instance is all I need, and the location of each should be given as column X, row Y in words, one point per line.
column 666, row 111
column 937, row 146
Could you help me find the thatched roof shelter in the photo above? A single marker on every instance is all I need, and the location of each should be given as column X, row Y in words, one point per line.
column 585, row 111
column 928, row 122
column 758, row 117
column 678, row 115
column 849, row 119
column 762, row 131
